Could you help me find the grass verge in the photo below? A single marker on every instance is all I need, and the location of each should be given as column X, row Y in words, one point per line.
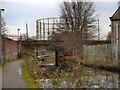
column 4, row 64
column 28, row 80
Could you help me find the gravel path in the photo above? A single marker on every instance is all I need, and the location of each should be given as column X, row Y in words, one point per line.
column 12, row 75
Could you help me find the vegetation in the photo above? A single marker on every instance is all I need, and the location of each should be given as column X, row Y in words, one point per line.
column 109, row 36
column 56, row 76
column 28, row 80
column 3, row 30
column 78, row 23
column 93, row 58
column 7, row 62
column 67, row 72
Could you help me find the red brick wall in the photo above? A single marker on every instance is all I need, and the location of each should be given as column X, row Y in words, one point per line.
column 9, row 48
column 36, row 44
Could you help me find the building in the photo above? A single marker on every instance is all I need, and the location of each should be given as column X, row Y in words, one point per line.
column 115, row 28
column 9, row 48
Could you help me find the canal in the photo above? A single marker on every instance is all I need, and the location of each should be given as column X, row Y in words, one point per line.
column 78, row 77
column 84, row 77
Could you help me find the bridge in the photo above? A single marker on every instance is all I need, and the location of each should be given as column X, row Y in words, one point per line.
column 36, row 44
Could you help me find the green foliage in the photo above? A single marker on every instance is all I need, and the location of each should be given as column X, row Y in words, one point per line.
column 25, row 53
column 29, row 81
column 55, row 82
column 4, row 60
column 71, row 73
column 7, row 62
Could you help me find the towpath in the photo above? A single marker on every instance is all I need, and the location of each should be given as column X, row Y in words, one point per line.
column 12, row 75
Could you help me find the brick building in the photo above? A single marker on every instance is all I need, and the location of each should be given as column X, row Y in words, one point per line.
column 115, row 28
column 9, row 48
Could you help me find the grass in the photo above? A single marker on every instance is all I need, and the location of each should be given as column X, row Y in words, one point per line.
column 28, row 80
column 4, row 64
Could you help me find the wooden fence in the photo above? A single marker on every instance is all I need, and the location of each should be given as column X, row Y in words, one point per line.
column 105, row 51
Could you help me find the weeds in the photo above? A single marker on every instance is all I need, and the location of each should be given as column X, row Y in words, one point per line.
column 99, row 58
column 66, row 75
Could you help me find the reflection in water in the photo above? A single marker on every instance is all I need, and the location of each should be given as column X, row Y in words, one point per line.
column 101, row 78
column 48, row 83
column 95, row 79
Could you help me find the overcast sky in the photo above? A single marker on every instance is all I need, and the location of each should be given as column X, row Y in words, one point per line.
column 17, row 12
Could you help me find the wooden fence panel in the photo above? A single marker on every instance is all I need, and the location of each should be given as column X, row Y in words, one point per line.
column 105, row 51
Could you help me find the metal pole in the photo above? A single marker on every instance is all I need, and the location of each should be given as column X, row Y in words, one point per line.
column 1, row 36
column 18, row 33
column 40, row 30
column 48, row 29
column 18, row 43
column 98, row 31
column 37, row 29
column 43, row 30
column 53, row 24
column 27, row 30
column 0, row 39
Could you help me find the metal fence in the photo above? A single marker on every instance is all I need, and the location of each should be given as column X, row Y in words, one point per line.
column 105, row 51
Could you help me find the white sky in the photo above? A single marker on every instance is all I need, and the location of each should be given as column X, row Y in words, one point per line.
column 17, row 12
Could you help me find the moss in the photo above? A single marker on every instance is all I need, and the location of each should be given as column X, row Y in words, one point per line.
column 28, row 80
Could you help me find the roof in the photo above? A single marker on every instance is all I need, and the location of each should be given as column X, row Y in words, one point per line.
column 116, row 15
column 9, row 38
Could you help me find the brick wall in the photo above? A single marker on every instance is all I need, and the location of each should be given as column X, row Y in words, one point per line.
column 9, row 48
column 36, row 44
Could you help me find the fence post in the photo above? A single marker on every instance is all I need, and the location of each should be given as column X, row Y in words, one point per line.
column 56, row 63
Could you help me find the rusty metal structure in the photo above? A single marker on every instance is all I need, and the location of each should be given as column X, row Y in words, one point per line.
column 45, row 26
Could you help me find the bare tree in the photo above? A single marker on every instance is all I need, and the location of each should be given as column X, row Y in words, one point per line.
column 78, row 23
column 3, row 28
column 109, row 36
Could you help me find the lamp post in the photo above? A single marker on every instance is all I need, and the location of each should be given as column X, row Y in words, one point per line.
column 18, row 43
column 98, row 30
column 18, row 33
column 1, row 10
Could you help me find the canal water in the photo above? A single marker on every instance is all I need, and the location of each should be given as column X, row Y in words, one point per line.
column 87, row 78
